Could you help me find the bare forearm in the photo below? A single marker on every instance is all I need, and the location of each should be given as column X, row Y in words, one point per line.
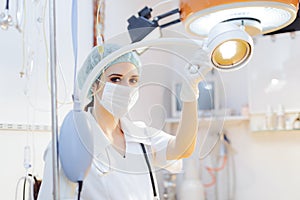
column 183, row 145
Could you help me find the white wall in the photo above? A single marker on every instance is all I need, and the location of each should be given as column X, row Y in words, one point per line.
column 275, row 58
column 260, row 165
column 12, row 155
column 267, row 164
column 36, row 81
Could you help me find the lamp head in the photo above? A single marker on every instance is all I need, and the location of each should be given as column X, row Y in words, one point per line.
column 233, row 48
column 229, row 46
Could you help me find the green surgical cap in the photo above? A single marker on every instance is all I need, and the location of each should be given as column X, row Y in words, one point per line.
column 96, row 55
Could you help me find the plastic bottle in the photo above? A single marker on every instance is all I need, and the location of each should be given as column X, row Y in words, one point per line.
column 296, row 123
column 191, row 187
column 270, row 118
column 280, row 118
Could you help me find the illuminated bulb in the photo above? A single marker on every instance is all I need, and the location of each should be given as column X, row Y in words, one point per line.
column 231, row 53
column 228, row 49
column 229, row 46
column 274, row 81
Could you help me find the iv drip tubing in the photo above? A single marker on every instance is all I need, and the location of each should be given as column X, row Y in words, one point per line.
column 25, row 178
column 75, row 48
column 212, row 171
column 53, row 62
column 22, row 72
column 99, row 30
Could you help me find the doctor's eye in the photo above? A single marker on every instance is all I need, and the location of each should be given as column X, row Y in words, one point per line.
column 115, row 79
column 134, row 80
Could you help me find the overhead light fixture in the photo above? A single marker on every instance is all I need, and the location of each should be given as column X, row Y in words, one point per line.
column 227, row 27
column 260, row 17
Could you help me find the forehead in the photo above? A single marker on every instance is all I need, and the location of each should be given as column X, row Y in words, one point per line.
column 124, row 68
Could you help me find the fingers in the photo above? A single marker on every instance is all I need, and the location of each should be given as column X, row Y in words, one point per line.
column 192, row 69
column 197, row 70
column 201, row 63
column 200, row 57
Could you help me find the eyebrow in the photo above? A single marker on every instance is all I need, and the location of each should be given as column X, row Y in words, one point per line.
column 121, row 75
column 114, row 75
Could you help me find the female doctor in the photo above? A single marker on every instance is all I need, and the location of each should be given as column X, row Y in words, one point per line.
column 127, row 153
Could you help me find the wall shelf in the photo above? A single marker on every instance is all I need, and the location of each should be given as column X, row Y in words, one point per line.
column 208, row 119
column 277, row 131
column 24, row 127
column 171, row 124
column 258, row 122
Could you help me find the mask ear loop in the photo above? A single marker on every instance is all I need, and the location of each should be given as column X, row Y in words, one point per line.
column 100, row 84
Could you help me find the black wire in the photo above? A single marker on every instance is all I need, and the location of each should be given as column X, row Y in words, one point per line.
column 24, row 187
column 149, row 168
column 7, row 5
column 79, row 189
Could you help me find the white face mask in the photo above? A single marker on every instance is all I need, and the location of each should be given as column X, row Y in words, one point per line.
column 118, row 99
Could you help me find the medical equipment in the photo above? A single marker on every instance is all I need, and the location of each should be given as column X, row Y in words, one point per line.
column 99, row 23
column 20, row 7
column 228, row 44
column 26, row 179
column 218, row 172
column 27, row 165
column 169, row 183
column 53, row 61
column 296, row 123
column 191, row 187
column 223, row 154
column 33, row 184
column 5, row 17
column 75, row 143
column 140, row 27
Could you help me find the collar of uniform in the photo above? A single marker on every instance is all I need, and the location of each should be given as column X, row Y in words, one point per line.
column 135, row 131
column 101, row 142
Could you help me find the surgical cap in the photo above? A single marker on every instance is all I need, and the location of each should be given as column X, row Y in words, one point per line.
column 96, row 55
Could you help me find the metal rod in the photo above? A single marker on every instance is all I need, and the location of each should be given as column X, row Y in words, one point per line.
column 53, row 62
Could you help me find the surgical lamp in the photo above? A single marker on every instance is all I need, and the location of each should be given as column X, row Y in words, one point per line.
column 226, row 27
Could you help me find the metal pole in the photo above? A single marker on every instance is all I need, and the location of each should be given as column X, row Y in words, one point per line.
column 53, row 62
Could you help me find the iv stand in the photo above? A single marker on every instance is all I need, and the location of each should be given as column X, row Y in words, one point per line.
column 53, row 62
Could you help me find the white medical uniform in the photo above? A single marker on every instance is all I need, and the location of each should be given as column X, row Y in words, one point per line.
column 113, row 176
